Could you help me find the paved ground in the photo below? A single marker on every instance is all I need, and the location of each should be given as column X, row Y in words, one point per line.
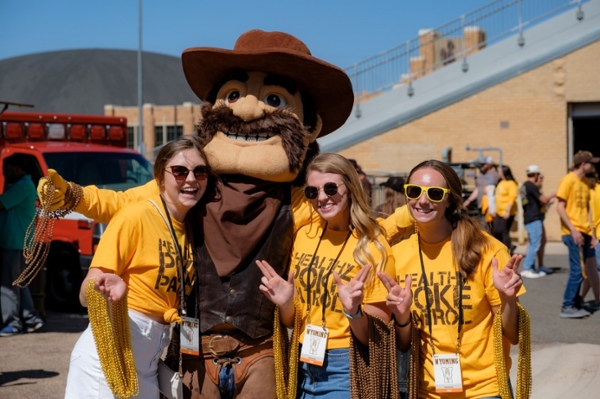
column 566, row 353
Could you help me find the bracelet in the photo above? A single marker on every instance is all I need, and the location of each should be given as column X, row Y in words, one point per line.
column 403, row 325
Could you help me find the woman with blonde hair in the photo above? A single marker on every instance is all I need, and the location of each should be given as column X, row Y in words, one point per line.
column 454, row 301
column 331, row 296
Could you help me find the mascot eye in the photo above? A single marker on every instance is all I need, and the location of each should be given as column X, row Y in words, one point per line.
column 232, row 97
column 275, row 100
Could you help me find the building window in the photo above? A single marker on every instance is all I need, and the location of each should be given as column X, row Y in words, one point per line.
column 131, row 136
column 158, row 136
column 174, row 131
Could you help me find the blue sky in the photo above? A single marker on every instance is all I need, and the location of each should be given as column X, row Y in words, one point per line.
column 339, row 31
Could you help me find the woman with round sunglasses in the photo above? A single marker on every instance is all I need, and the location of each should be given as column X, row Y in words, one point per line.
column 144, row 255
column 507, row 191
column 454, row 300
column 331, row 293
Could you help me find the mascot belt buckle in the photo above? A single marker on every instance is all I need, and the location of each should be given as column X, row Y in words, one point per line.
column 222, row 345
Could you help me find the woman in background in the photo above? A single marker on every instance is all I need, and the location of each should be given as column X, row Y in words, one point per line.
column 506, row 194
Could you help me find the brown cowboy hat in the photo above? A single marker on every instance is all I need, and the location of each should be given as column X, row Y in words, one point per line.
column 277, row 53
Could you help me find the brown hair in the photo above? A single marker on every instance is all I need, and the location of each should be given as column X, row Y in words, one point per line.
column 468, row 240
column 174, row 147
column 361, row 217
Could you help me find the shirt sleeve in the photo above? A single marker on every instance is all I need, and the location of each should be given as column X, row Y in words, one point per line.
column 395, row 224
column 117, row 245
column 564, row 187
column 101, row 204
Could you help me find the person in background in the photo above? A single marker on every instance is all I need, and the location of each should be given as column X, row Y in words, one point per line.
column 544, row 211
column 141, row 256
column 394, row 196
column 595, row 211
column 485, row 184
column 595, row 204
column 337, row 257
column 573, row 197
column 17, row 209
column 470, row 277
column 506, row 194
column 534, row 203
column 364, row 181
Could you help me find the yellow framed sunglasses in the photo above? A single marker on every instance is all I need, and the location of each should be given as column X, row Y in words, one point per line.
column 434, row 194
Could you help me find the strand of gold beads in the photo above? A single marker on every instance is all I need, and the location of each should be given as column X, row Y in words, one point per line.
column 113, row 342
column 39, row 232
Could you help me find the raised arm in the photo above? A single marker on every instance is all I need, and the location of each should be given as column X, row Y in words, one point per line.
column 97, row 204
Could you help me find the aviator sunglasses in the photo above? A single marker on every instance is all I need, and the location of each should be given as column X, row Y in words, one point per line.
column 180, row 173
column 435, row 194
column 330, row 189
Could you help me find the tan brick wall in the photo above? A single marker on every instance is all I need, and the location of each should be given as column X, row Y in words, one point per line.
column 186, row 114
column 535, row 106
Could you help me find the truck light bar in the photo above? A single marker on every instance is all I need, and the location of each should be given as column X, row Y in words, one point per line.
column 21, row 126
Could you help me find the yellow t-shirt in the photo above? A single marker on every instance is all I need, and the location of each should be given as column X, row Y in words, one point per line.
column 575, row 192
column 478, row 297
column 506, row 194
column 595, row 206
column 321, row 280
column 138, row 246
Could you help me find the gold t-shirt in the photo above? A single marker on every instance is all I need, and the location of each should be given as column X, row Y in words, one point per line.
column 138, row 246
column 322, row 281
column 478, row 297
column 575, row 192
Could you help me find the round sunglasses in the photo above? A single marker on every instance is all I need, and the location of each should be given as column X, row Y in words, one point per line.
column 434, row 194
column 180, row 173
column 330, row 189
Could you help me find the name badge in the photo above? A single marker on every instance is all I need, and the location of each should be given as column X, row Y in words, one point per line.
column 446, row 370
column 315, row 344
column 189, row 336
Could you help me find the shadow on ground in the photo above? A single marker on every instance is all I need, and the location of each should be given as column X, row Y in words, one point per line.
column 10, row 376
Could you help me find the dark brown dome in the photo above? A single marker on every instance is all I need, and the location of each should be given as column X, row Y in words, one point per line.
column 83, row 81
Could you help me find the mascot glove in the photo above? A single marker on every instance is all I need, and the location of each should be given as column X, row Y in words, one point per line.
column 60, row 188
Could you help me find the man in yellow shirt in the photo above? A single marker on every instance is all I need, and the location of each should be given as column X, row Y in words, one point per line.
column 574, row 210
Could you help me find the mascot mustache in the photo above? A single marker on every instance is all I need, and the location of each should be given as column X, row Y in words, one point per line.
column 277, row 122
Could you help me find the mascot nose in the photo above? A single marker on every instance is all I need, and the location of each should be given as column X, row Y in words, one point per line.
column 248, row 108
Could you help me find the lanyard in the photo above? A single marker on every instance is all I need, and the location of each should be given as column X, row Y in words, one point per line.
column 428, row 305
column 179, row 256
column 308, row 288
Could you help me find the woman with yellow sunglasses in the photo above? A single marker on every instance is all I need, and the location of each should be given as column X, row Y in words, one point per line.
column 453, row 280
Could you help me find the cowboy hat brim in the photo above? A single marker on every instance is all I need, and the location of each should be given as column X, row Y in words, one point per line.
column 329, row 86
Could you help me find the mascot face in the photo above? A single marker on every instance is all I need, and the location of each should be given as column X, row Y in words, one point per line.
column 265, row 103
column 255, row 128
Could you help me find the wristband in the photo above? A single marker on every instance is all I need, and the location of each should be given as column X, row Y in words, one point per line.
column 403, row 325
column 356, row 315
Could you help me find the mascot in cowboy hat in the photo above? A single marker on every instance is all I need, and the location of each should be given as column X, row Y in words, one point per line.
column 265, row 104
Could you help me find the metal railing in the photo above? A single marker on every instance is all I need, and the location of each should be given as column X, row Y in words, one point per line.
column 451, row 42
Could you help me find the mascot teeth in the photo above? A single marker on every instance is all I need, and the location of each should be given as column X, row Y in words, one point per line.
column 251, row 137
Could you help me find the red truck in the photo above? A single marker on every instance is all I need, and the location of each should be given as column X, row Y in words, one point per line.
column 85, row 149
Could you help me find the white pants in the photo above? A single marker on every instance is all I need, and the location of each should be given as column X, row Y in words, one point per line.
column 148, row 340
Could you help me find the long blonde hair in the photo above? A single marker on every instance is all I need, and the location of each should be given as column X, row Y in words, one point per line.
column 361, row 219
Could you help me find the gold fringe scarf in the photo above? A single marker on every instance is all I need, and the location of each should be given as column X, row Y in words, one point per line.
column 524, row 381
column 373, row 367
column 113, row 342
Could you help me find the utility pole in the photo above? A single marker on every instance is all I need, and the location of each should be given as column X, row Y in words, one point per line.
column 141, row 146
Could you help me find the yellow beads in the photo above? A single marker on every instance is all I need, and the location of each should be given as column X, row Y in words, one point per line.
column 39, row 232
column 523, row 390
column 113, row 342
